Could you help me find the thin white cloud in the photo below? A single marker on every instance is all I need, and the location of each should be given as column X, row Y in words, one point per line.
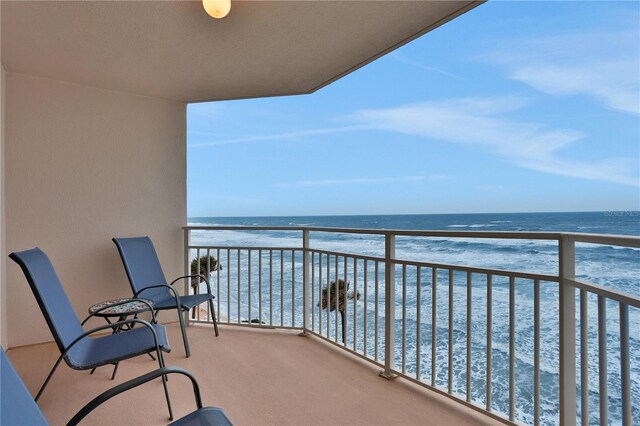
column 355, row 181
column 618, row 170
column 399, row 57
column 294, row 135
column 485, row 124
column 604, row 66
column 612, row 84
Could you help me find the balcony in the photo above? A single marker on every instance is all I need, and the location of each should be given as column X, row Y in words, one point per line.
column 284, row 358
column 520, row 345
column 93, row 136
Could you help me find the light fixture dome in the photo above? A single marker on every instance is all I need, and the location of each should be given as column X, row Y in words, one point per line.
column 217, row 8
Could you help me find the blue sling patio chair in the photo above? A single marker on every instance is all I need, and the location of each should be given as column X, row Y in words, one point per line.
column 147, row 280
column 17, row 408
column 79, row 350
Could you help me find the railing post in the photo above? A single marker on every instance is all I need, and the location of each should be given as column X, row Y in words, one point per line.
column 389, row 305
column 567, row 271
column 305, row 282
column 187, row 269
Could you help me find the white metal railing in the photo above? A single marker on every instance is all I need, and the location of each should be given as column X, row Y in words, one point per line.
column 291, row 286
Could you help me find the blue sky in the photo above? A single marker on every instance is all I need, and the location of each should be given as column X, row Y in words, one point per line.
column 513, row 107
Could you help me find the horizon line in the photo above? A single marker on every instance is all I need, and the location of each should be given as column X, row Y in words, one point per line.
column 427, row 214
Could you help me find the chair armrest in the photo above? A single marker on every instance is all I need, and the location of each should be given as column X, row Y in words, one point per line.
column 130, row 384
column 124, row 302
column 108, row 326
column 171, row 289
column 193, row 276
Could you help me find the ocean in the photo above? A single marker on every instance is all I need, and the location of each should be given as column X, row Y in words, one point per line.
column 612, row 267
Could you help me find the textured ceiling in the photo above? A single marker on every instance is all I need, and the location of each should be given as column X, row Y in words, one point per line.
column 174, row 50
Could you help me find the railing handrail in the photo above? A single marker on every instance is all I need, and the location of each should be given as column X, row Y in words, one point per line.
column 237, row 247
column 435, row 265
column 617, row 295
column 606, row 239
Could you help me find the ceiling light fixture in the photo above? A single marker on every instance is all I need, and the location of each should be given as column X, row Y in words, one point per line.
column 217, row 8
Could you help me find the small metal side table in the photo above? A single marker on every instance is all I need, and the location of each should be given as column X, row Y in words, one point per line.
column 120, row 309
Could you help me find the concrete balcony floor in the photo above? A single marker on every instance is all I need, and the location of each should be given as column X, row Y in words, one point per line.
column 257, row 377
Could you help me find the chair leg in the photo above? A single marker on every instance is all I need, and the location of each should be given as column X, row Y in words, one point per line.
column 46, row 382
column 155, row 314
column 164, row 384
column 184, row 334
column 213, row 315
column 115, row 370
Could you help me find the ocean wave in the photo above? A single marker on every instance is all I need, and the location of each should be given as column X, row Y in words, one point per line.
column 204, row 224
column 478, row 225
column 605, row 246
column 597, row 263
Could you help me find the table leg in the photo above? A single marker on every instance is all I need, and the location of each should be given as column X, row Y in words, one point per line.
column 93, row 370
column 116, row 330
column 133, row 325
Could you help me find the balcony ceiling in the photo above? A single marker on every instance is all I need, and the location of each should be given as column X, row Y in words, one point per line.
column 174, row 50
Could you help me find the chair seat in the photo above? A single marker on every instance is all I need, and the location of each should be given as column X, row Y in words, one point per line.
column 187, row 302
column 94, row 352
column 207, row 416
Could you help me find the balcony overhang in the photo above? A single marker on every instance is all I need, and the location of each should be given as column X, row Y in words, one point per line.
column 174, row 50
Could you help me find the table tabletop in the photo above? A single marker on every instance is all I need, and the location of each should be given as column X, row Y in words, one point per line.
column 134, row 306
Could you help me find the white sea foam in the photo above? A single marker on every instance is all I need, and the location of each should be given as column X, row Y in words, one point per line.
column 477, row 225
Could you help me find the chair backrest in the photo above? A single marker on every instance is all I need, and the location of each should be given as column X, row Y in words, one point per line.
column 17, row 406
column 50, row 294
column 142, row 265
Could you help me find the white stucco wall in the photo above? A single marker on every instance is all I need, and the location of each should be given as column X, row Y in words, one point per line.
column 84, row 165
column 4, row 338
